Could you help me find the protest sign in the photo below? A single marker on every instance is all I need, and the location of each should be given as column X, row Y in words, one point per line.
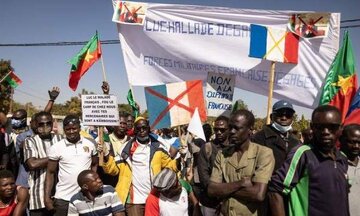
column 219, row 94
column 184, row 42
column 101, row 110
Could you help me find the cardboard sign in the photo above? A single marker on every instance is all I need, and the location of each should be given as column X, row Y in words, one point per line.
column 101, row 110
column 219, row 94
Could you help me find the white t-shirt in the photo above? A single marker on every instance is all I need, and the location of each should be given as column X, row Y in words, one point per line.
column 176, row 206
column 72, row 159
column 141, row 182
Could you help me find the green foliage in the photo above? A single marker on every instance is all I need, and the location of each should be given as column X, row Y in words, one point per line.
column 301, row 124
column 5, row 88
column 125, row 108
column 259, row 123
column 29, row 107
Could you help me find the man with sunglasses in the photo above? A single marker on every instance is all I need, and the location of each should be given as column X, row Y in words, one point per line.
column 206, row 160
column 277, row 135
column 36, row 150
column 350, row 145
column 138, row 162
column 313, row 178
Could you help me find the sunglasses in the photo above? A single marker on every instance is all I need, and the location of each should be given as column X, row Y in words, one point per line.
column 143, row 127
column 286, row 114
column 331, row 127
column 42, row 124
column 222, row 130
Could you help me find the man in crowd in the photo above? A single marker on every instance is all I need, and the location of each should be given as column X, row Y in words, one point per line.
column 72, row 155
column 22, row 178
column 241, row 171
column 350, row 145
column 170, row 196
column 139, row 161
column 169, row 142
column 277, row 135
column 130, row 125
column 118, row 138
column 206, row 160
column 36, row 159
column 307, row 135
column 94, row 198
column 13, row 200
column 313, row 177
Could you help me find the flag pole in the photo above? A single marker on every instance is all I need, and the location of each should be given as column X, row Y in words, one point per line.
column 130, row 86
column 103, row 68
column 101, row 128
column 271, row 88
column 2, row 79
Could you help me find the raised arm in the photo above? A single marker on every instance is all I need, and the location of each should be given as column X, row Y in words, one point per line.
column 53, row 94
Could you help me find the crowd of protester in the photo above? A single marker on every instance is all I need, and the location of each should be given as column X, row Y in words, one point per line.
column 235, row 171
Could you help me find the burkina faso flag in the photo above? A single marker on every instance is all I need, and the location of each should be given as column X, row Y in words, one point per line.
column 81, row 63
column 13, row 80
column 341, row 81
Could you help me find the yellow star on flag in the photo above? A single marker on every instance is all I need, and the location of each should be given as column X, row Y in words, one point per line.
column 344, row 83
column 88, row 56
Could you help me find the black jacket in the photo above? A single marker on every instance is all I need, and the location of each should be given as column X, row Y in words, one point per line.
column 280, row 144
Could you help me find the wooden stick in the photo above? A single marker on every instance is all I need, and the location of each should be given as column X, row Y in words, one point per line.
column 101, row 128
column 5, row 76
column 271, row 88
column 101, row 142
column 103, row 68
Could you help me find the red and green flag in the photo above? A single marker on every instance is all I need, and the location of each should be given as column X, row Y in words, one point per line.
column 81, row 63
column 341, row 81
column 13, row 80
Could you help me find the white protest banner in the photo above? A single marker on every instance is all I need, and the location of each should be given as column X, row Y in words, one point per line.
column 101, row 110
column 219, row 94
column 184, row 42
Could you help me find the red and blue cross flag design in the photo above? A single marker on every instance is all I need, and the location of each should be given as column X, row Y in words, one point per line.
column 273, row 44
column 173, row 104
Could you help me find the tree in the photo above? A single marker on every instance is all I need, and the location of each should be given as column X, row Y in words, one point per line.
column 5, row 88
column 259, row 123
column 59, row 109
column 240, row 104
column 125, row 108
column 301, row 124
column 73, row 106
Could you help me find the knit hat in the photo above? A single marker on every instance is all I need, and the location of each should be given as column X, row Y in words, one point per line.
column 164, row 180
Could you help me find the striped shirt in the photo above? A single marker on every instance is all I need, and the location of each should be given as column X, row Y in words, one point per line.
column 106, row 203
column 37, row 148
